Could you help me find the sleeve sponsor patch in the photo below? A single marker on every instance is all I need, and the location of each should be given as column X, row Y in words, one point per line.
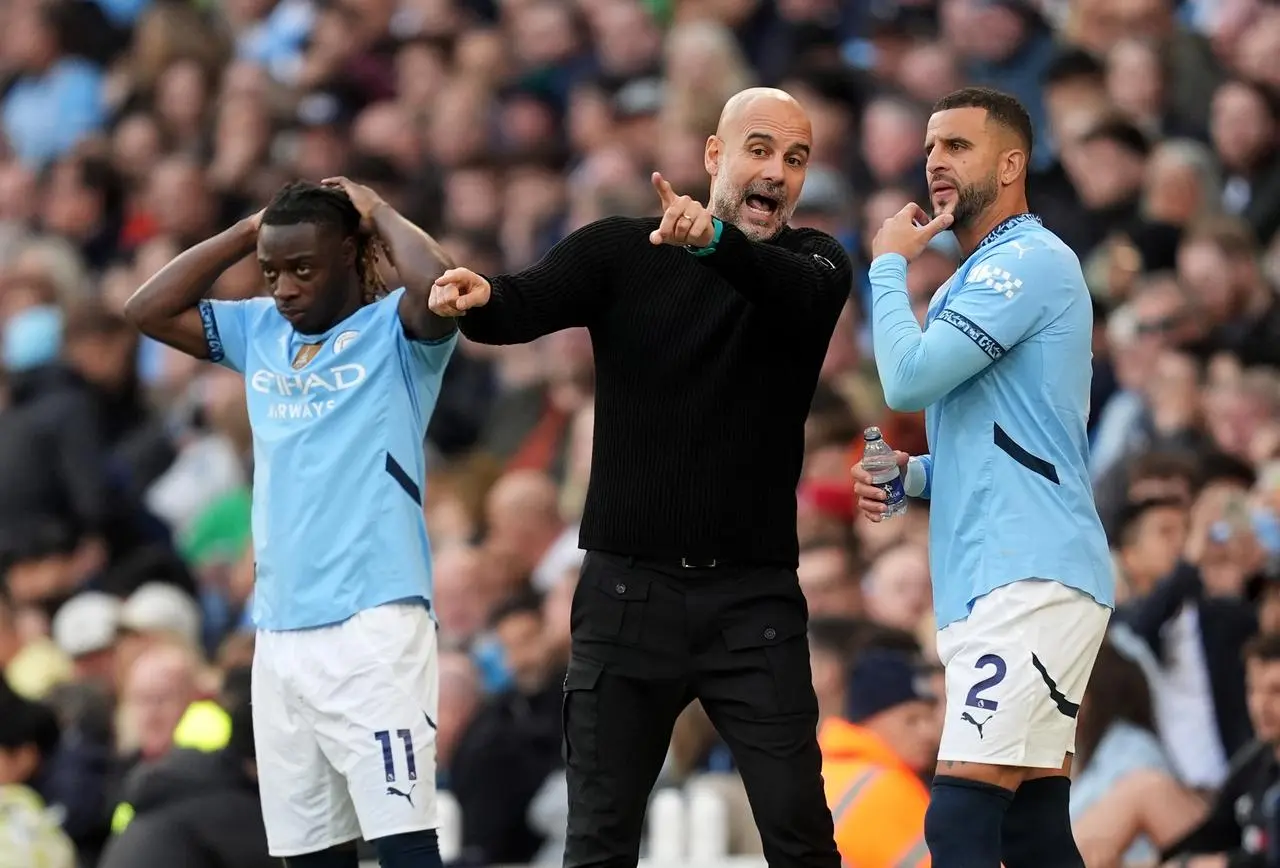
column 974, row 332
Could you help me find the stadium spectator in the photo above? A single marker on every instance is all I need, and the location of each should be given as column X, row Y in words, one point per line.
column 1152, row 534
column 895, row 590
column 511, row 744
column 198, row 808
column 30, row 833
column 874, row 757
column 1116, row 739
column 1237, row 823
column 828, row 578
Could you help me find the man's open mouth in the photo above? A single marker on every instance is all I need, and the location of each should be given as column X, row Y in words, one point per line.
column 764, row 205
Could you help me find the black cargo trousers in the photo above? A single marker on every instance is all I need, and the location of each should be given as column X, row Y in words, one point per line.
column 649, row 638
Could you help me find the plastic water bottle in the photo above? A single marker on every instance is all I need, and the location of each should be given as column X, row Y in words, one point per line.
column 708, row 823
column 668, row 827
column 449, row 819
column 878, row 460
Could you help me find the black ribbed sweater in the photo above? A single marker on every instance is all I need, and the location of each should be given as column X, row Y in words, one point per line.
column 705, row 370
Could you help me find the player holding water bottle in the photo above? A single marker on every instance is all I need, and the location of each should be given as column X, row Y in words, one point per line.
column 883, row 470
column 1023, row 584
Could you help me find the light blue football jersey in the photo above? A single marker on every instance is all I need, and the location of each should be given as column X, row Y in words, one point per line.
column 339, row 420
column 1002, row 370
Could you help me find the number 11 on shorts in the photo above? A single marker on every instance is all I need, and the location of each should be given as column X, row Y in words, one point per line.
column 383, row 737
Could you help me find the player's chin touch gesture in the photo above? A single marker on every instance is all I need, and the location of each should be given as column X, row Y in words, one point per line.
column 908, row 232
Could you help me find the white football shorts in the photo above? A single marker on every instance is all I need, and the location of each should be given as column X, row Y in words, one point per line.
column 344, row 729
column 1016, row 670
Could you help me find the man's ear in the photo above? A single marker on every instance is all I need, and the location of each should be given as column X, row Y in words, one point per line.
column 349, row 252
column 1013, row 165
column 712, row 154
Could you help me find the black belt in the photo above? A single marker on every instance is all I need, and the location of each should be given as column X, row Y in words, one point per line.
column 681, row 563
column 689, row 562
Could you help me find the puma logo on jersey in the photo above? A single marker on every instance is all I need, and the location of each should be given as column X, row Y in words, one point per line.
column 408, row 797
column 968, row 718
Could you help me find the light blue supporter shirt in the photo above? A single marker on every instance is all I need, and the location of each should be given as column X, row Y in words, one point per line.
column 339, row 461
column 1124, row 749
column 1002, row 370
column 45, row 116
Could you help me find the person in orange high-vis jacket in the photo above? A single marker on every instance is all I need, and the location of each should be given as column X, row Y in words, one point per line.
column 873, row 758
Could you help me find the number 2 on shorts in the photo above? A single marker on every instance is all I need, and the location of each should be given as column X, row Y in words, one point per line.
column 974, row 699
column 388, row 759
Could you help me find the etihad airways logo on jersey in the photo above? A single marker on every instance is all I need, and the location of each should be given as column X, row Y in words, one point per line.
column 311, row 394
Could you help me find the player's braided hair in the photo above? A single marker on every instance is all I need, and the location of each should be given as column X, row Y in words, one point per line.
column 305, row 202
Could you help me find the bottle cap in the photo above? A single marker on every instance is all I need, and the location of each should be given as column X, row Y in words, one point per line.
column 872, row 433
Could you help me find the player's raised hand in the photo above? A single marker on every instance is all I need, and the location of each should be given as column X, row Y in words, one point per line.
column 457, row 291
column 908, row 232
column 364, row 198
column 685, row 222
column 871, row 497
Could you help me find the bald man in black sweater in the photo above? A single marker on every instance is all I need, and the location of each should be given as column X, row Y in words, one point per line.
column 709, row 327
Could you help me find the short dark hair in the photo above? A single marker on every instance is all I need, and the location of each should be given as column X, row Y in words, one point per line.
column 1263, row 648
column 1165, row 464
column 838, row 636
column 1133, row 513
column 23, row 722
column 847, row 637
column 1221, row 467
column 1073, row 64
column 1122, row 132
column 1001, row 108
column 305, row 202
column 526, row 602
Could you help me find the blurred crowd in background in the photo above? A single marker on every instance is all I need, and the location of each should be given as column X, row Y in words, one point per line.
column 134, row 128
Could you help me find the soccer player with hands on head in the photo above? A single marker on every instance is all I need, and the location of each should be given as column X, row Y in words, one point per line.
column 1022, row 575
column 341, row 377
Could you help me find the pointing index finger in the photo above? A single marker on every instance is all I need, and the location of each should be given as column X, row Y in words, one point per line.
column 665, row 193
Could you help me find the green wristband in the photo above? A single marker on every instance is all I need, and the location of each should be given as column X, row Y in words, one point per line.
column 715, row 239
